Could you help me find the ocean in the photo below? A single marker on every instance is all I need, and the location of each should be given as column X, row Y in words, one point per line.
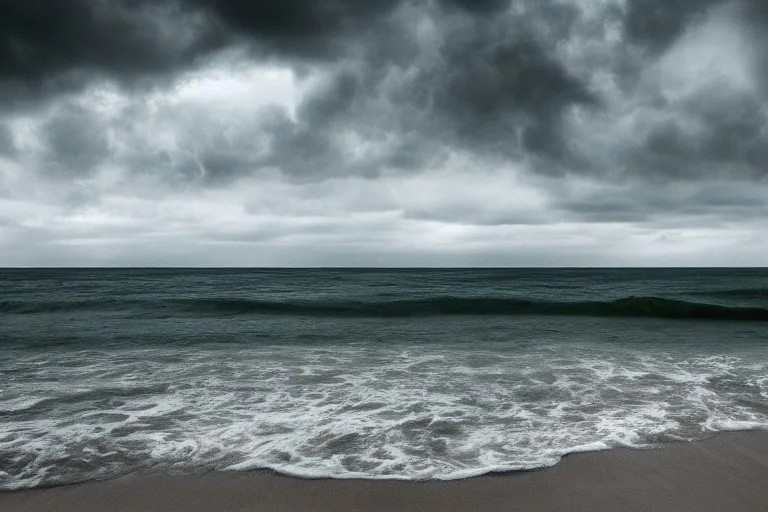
column 368, row 373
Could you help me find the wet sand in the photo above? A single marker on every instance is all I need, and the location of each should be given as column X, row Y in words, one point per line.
column 726, row 473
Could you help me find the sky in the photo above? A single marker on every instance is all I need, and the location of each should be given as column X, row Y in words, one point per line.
column 383, row 133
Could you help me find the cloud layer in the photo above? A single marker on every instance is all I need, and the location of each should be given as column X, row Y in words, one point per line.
column 386, row 132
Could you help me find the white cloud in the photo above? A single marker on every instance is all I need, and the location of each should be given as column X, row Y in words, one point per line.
column 266, row 220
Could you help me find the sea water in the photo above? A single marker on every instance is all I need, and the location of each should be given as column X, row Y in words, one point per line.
column 368, row 373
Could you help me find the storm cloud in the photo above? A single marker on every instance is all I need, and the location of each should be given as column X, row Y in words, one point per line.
column 383, row 132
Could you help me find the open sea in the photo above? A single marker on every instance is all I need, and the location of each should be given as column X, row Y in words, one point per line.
column 368, row 373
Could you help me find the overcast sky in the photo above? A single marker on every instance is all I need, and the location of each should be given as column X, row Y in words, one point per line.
column 383, row 132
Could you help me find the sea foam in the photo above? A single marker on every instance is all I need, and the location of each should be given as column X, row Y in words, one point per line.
column 358, row 410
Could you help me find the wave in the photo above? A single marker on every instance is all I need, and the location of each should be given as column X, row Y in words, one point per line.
column 650, row 307
column 627, row 307
column 402, row 412
column 31, row 308
column 738, row 293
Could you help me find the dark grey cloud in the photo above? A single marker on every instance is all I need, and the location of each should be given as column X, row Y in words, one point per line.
column 729, row 136
column 409, row 82
column 713, row 203
column 488, row 85
column 701, row 121
column 48, row 46
column 658, row 23
column 478, row 6
column 495, row 85
column 207, row 150
column 76, row 142
column 303, row 28
column 489, row 79
column 7, row 143
column 313, row 146
column 506, row 95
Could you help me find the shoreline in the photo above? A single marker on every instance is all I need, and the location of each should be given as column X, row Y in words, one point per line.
column 726, row 472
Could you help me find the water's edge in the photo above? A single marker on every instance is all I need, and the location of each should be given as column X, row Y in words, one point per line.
column 277, row 473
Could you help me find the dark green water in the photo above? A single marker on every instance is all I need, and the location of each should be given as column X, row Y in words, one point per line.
column 368, row 373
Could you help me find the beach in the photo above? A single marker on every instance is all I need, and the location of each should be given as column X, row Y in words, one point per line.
column 726, row 473
column 367, row 389
column 384, row 255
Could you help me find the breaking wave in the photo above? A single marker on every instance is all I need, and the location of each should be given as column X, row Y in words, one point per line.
column 651, row 307
column 359, row 411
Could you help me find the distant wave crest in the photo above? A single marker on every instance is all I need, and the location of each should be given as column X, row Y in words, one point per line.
column 651, row 307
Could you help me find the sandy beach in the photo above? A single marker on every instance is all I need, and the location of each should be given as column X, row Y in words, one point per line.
column 726, row 473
